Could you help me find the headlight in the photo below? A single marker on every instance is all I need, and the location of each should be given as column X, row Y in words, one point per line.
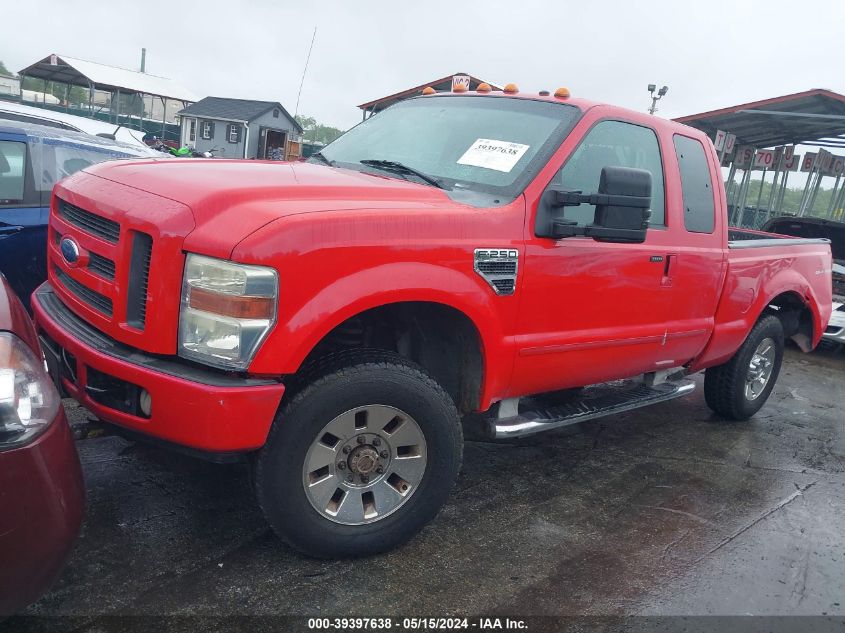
column 28, row 399
column 227, row 310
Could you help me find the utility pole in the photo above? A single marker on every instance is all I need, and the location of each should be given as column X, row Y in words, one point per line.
column 655, row 98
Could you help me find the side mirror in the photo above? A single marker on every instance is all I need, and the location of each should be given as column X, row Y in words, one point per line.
column 622, row 204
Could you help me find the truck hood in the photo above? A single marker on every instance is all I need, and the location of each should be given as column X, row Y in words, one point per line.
column 230, row 199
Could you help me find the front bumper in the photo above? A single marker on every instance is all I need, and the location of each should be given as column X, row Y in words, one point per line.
column 199, row 408
column 835, row 330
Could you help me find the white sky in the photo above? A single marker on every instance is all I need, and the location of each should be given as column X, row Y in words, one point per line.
column 710, row 53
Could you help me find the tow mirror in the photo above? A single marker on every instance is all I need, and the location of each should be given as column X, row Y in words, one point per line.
column 623, row 207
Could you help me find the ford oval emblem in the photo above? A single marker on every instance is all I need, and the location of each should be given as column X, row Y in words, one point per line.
column 70, row 250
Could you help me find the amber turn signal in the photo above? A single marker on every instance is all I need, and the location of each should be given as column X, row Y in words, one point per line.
column 428, row 90
column 236, row 306
column 511, row 89
column 482, row 87
column 562, row 93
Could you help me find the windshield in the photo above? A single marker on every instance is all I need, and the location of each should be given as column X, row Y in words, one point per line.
column 492, row 145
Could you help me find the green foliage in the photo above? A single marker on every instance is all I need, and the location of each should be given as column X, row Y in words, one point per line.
column 4, row 70
column 317, row 132
column 791, row 199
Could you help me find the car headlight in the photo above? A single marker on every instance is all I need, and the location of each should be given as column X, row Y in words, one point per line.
column 227, row 311
column 29, row 401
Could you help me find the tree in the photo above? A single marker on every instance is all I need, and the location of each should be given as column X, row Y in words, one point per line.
column 314, row 132
column 4, row 70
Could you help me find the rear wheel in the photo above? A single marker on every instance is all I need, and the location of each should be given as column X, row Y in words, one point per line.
column 740, row 387
column 361, row 458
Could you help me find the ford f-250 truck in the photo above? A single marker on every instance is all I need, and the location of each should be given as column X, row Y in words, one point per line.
column 455, row 254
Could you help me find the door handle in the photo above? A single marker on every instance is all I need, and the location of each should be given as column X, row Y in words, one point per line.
column 669, row 265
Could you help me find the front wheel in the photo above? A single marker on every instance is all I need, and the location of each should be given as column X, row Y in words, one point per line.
column 361, row 458
column 740, row 387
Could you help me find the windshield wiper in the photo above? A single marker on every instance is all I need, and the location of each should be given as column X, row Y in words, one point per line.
column 401, row 168
column 319, row 156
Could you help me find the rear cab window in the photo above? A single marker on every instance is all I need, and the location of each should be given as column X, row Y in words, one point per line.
column 696, row 185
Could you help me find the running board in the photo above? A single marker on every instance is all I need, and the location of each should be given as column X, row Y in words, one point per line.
column 596, row 402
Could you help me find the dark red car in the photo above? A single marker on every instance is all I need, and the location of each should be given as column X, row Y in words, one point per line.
column 42, row 497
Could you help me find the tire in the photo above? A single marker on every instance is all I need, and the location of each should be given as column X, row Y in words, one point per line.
column 726, row 387
column 333, row 398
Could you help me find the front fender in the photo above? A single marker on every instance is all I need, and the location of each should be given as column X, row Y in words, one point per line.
column 296, row 335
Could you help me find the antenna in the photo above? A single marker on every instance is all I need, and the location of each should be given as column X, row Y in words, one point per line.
column 304, row 70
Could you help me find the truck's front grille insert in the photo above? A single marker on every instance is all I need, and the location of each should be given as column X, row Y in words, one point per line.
column 139, row 277
column 102, row 266
column 104, row 228
column 99, row 302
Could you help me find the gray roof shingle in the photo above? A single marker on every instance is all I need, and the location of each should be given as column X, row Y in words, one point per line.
column 233, row 109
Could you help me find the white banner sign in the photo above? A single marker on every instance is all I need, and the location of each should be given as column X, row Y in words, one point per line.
column 744, row 154
column 730, row 142
column 809, row 161
column 719, row 140
column 764, row 159
column 792, row 163
column 460, row 80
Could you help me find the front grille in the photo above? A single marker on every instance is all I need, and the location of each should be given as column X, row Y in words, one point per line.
column 102, row 266
column 139, row 278
column 108, row 230
column 99, row 302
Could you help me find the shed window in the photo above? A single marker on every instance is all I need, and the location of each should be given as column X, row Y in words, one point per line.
column 234, row 133
column 699, row 207
column 207, row 130
column 192, row 131
column 275, row 114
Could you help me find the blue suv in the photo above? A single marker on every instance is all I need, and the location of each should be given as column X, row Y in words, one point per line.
column 32, row 159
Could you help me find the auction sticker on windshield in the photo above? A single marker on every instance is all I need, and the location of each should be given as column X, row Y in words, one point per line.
column 490, row 154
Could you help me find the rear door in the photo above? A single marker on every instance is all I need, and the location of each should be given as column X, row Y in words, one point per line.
column 593, row 311
column 23, row 217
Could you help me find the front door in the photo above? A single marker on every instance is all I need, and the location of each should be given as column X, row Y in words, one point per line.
column 594, row 311
column 23, row 217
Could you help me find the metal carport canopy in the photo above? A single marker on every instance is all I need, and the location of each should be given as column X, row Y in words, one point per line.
column 813, row 117
column 79, row 72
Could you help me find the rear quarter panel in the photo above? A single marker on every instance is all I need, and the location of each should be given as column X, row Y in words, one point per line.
column 755, row 277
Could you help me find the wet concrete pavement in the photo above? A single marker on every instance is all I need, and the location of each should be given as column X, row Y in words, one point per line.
column 667, row 510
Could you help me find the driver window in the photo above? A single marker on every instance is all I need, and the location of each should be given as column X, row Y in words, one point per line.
column 12, row 169
column 613, row 144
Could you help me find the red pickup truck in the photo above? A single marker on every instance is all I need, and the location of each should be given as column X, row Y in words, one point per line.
column 481, row 253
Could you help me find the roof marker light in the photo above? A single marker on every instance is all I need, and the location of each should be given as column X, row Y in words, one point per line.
column 483, row 87
column 544, row 93
column 562, row 93
column 511, row 89
column 428, row 90
column 459, row 88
